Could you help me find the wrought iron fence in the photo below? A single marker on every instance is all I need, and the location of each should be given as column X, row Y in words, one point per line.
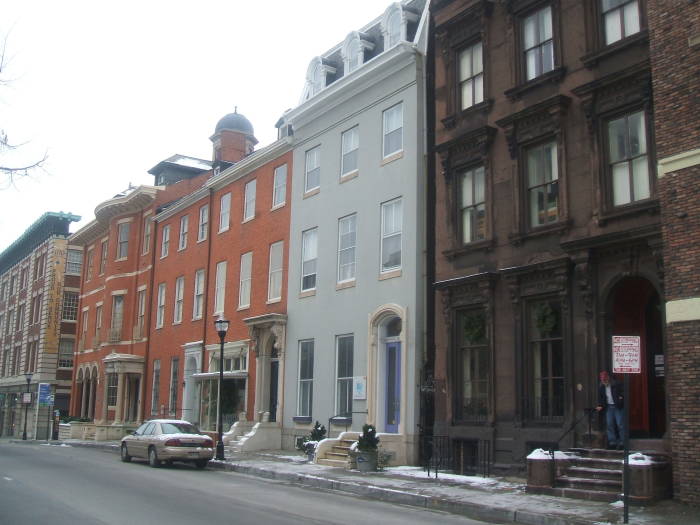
column 460, row 456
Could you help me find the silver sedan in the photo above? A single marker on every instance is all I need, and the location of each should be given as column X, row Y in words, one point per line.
column 168, row 440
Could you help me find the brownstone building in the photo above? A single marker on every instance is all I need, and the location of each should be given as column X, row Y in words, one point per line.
column 548, row 232
column 674, row 37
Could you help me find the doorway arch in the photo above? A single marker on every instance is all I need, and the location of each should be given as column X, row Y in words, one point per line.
column 387, row 369
column 633, row 307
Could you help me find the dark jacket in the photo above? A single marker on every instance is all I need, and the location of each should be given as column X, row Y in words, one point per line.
column 617, row 391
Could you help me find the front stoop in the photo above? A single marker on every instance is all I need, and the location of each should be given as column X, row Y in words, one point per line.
column 338, row 455
column 596, row 475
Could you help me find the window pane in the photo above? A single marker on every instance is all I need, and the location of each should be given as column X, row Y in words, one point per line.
column 477, row 51
column 638, row 141
column 616, row 139
column 479, row 185
column 465, row 64
column 478, row 89
column 467, row 94
column 640, row 178
column 545, row 23
column 468, row 189
column 529, row 32
column 631, row 18
column 280, row 187
column 547, row 57
column 535, row 168
column 621, row 184
column 531, row 61
column 391, row 252
column 613, row 27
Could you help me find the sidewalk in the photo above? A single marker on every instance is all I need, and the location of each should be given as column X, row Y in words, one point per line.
column 491, row 499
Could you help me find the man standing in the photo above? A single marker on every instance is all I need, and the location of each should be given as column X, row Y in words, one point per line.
column 611, row 399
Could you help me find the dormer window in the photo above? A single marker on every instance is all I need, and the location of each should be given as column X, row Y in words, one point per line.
column 354, row 51
column 316, row 77
column 394, row 23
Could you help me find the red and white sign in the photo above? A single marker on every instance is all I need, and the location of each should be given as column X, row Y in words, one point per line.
column 627, row 352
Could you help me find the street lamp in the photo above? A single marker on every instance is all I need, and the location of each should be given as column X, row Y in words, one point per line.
column 221, row 328
column 28, row 377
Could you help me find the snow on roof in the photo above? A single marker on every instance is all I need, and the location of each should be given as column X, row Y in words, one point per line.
column 190, row 162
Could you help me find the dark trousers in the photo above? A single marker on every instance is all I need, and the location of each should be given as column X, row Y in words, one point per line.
column 615, row 422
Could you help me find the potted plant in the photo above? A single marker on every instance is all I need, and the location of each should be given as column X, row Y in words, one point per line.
column 367, row 449
column 309, row 443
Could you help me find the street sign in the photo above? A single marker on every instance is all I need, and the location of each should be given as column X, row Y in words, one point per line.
column 45, row 394
column 626, row 354
column 26, row 398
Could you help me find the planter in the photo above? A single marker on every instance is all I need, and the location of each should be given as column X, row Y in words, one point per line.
column 366, row 461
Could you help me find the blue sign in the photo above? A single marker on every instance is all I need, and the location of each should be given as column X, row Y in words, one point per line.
column 45, row 394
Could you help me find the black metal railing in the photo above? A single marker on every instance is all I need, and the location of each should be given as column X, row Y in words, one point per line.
column 587, row 412
column 461, row 456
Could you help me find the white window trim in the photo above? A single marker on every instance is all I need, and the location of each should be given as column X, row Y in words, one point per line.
column 303, row 255
column 160, row 307
column 220, row 287
column 183, row 233
column 245, row 279
column 225, row 224
column 203, row 225
column 391, row 154
column 249, row 200
column 392, row 269
column 354, row 248
column 317, row 150
column 165, row 241
column 179, row 304
column 276, row 298
column 274, row 187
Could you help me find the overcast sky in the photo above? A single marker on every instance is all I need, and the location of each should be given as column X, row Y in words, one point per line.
column 109, row 89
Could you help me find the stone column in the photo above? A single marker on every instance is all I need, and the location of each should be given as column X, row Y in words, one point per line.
column 139, row 410
column 120, row 399
column 83, row 398
column 104, row 399
column 91, row 399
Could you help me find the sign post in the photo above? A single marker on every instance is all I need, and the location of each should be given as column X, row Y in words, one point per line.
column 626, row 360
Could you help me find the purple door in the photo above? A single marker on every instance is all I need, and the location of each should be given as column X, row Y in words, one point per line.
column 393, row 387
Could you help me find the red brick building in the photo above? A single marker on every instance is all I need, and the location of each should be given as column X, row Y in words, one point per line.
column 161, row 264
column 674, row 37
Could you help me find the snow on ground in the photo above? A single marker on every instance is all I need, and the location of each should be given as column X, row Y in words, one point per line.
column 418, row 472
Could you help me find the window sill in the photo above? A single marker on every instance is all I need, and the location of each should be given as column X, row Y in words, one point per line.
column 482, row 108
column 561, row 227
column 201, row 240
column 302, row 419
column 197, row 318
column 390, row 274
column 163, row 256
column 175, row 323
column 650, row 206
column 554, row 76
column 274, row 301
column 485, row 245
column 345, row 284
column 307, row 293
column 182, row 249
column 391, row 158
column 120, row 260
column 241, row 308
column 341, row 421
column 248, row 219
column 311, row 193
column 349, row 176
column 591, row 60
column 278, row 206
column 223, row 230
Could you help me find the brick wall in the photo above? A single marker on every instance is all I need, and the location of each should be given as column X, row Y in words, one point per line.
column 674, row 26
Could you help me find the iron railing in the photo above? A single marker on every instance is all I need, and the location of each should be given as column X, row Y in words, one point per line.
column 461, row 456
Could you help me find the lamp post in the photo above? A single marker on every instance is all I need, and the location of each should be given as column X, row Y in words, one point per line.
column 221, row 328
column 28, row 377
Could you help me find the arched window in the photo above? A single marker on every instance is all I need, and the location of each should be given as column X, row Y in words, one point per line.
column 354, row 51
column 393, row 24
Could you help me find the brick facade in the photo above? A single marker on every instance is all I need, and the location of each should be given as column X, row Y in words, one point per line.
column 675, row 58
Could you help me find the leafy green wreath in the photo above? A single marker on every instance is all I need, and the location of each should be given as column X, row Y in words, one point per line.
column 545, row 318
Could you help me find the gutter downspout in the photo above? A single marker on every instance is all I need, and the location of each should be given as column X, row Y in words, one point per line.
column 147, row 321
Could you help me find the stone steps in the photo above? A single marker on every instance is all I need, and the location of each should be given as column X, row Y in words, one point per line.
column 332, row 462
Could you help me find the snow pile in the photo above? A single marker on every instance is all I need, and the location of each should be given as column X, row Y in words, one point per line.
column 618, row 504
column 639, row 459
column 418, row 472
column 540, row 453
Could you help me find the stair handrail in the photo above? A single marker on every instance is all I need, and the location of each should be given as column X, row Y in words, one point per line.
column 588, row 411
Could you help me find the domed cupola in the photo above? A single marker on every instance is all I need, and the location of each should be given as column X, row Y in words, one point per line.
column 233, row 138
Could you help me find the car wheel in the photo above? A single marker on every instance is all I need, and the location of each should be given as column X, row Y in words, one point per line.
column 153, row 458
column 125, row 454
column 201, row 463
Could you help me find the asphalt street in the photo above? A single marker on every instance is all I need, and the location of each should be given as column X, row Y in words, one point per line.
column 57, row 485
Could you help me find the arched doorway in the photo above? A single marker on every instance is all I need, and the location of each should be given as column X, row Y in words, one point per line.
column 634, row 308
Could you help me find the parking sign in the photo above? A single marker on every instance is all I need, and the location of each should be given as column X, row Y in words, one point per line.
column 626, row 354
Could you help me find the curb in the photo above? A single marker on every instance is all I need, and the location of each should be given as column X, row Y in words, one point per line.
column 467, row 509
